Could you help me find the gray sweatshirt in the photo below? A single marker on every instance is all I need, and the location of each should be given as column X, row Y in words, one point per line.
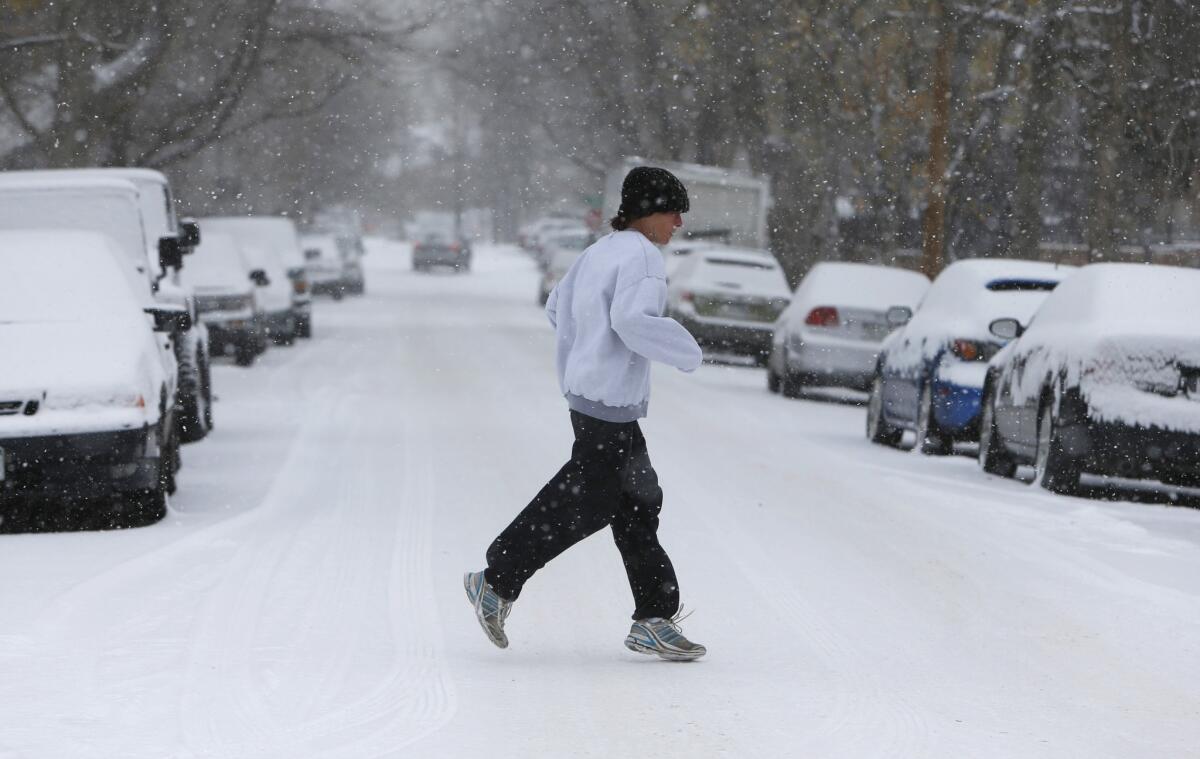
column 608, row 324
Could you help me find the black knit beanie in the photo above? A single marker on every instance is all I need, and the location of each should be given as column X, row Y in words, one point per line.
column 647, row 190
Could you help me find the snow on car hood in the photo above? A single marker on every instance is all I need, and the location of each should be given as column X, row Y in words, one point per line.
column 104, row 363
column 1131, row 378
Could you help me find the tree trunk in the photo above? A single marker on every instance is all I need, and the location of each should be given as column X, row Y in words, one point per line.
column 933, row 255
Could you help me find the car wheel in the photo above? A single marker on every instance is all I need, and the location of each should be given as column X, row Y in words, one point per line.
column 930, row 440
column 878, row 429
column 790, row 383
column 304, row 327
column 772, row 379
column 993, row 457
column 1054, row 469
column 195, row 391
column 245, row 353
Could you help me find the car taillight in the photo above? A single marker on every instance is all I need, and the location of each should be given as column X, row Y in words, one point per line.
column 299, row 286
column 967, row 350
column 823, row 316
column 687, row 295
column 455, row 247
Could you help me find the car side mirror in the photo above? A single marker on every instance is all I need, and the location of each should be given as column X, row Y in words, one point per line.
column 260, row 278
column 189, row 233
column 898, row 316
column 1006, row 329
column 170, row 252
column 168, row 319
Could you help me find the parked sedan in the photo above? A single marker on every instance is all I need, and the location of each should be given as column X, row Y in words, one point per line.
column 831, row 332
column 1106, row 379
column 87, row 392
column 729, row 299
column 441, row 249
column 227, row 299
column 930, row 372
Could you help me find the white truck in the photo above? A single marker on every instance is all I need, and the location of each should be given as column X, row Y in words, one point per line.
column 727, row 206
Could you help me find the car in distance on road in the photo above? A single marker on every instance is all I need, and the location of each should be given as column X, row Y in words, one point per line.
column 831, row 331
column 87, row 392
column 227, row 299
column 1105, row 380
column 929, row 377
column 438, row 248
column 729, row 299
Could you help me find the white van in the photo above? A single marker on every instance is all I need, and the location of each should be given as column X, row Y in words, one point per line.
column 87, row 392
column 277, row 236
column 164, row 242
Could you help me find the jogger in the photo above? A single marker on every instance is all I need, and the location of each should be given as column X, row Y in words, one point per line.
column 607, row 314
column 609, row 481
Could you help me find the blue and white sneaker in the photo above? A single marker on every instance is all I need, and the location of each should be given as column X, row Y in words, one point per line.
column 662, row 638
column 490, row 609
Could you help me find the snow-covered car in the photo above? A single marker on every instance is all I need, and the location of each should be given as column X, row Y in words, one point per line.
column 273, row 291
column 677, row 251
column 1105, row 380
column 227, row 299
column 567, row 238
column 323, row 264
column 136, row 209
column 529, row 236
column 560, row 264
column 277, row 236
column 437, row 248
column 929, row 377
column 831, row 331
column 729, row 299
column 88, row 385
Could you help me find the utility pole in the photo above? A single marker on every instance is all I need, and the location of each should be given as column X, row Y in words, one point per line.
column 933, row 227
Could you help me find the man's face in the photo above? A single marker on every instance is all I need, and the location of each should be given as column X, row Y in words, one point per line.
column 659, row 227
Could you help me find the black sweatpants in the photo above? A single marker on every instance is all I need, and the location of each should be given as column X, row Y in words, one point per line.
column 608, row 482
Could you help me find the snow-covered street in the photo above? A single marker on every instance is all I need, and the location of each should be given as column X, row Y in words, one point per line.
column 304, row 596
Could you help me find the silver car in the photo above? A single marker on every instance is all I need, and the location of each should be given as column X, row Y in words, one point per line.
column 831, row 332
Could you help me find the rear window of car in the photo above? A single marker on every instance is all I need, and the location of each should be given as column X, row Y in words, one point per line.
column 1021, row 285
column 738, row 262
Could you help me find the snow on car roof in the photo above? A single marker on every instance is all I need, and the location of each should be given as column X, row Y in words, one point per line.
column 1112, row 298
column 37, row 180
column 961, row 291
column 751, row 272
column 856, row 285
column 216, row 263
column 115, row 172
column 62, row 275
column 277, row 232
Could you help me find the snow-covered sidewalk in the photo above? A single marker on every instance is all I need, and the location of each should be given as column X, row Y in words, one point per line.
column 304, row 597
